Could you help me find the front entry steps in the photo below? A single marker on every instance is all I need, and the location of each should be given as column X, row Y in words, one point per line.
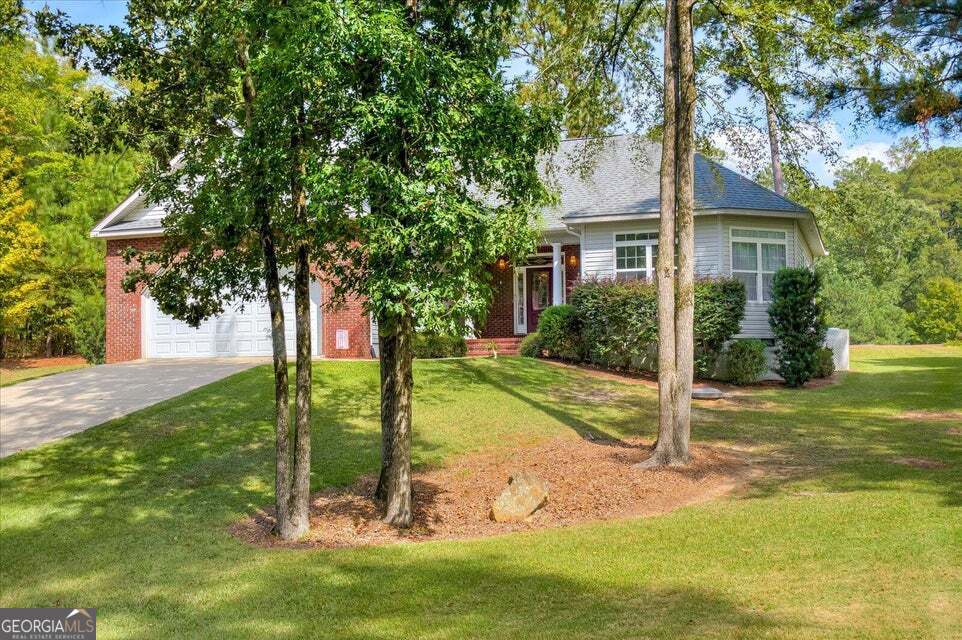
column 480, row 347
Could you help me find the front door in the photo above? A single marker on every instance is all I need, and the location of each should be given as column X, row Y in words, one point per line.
column 539, row 294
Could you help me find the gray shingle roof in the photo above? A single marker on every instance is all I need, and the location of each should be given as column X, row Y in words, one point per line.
column 622, row 180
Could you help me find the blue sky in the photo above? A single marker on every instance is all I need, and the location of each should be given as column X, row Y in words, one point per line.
column 867, row 140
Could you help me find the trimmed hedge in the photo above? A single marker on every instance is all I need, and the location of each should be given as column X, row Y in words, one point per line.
column 530, row 346
column 797, row 323
column 619, row 321
column 560, row 332
column 745, row 361
column 428, row 345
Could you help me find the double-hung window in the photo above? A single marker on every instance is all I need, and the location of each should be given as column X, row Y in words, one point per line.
column 756, row 255
column 636, row 255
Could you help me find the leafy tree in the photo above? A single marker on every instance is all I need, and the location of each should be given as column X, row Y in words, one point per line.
column 70, row 192
column 938, row 311
column 244, row 93
column 442, row 163
column 20, row 251
column 935, row 178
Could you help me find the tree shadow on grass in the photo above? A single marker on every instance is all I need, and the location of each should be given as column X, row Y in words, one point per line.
column 489, row 594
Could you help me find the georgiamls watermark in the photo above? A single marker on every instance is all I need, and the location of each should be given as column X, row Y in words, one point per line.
column 48, row 624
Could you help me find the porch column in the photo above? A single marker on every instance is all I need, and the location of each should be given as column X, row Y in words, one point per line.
column 557, row 274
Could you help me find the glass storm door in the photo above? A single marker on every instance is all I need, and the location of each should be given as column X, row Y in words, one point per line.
column 539, row 294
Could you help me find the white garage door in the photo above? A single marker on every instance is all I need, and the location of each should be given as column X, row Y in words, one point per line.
column 237, row 332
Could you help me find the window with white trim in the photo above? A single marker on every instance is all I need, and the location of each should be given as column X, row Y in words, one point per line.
column 756, row 255
column 636, row 255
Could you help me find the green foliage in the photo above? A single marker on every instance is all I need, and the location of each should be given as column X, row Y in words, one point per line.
column 619, row 320
column 530, row 346
column 719, row 309
column 88, row 327
column 797, row 323
column 427, row 345
column 20, row 249
column 824, row 362
column 439, row 117
column 870, row 312
column 925, row 88
column 938, row 311
column 67, row 192
column 560, row 332
column 888, row 232
column 745, row 361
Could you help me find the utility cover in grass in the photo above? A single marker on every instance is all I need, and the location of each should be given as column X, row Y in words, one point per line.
column 706, row 393
column 525, row 494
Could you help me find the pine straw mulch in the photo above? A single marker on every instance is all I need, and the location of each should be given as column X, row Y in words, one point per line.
column 33, row 363
column 589, row 480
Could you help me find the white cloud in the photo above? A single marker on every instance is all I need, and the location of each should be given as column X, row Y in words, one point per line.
column 871, row 150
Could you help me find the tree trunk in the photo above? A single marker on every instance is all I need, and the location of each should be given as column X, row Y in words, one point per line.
column 48, row 345
column 3, row 346
column 773, row 144
column 397, row 382
column 685, row 224
column 665, row 271
column 676, row 307
column 301, row 489
column 282, row 424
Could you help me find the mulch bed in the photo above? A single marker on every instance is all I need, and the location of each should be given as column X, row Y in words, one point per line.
column 33, row 363
column 589, row 480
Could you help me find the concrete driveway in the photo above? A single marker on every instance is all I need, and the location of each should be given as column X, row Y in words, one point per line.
column 50, row 408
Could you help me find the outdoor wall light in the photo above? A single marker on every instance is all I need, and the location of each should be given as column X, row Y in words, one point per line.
column 573, row 261
column 502, row 263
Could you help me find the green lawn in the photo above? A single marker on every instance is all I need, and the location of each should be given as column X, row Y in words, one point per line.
column 10, row 376
column 132, row 517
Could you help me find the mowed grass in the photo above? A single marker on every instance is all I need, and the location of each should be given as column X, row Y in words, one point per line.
column 838, row 542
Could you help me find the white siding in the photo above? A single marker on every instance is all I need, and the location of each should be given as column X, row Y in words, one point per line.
column 755, row 323
column 598, row 255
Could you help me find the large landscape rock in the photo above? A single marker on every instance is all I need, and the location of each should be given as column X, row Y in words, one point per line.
column 525, row 494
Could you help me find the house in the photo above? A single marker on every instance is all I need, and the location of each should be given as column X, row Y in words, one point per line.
column 605, row 225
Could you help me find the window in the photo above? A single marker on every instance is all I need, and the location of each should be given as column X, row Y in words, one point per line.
column 756, row 256
column 635, row 255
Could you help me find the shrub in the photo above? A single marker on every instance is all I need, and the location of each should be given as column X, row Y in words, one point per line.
column 795, row 317
column 938, row 311
column 560, row 333
column 619, row 320
column 427, row 345
column 87, row 324
column 824, row 363
column 531, row 345
column 745, row 361
column 719, row 308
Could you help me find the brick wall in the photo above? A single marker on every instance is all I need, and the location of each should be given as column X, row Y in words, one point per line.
column 500, row 319
column 123, row 309
column 348, row 316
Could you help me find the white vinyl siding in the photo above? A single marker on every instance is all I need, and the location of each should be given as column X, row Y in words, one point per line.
column 598, row 248
column 755, row 322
